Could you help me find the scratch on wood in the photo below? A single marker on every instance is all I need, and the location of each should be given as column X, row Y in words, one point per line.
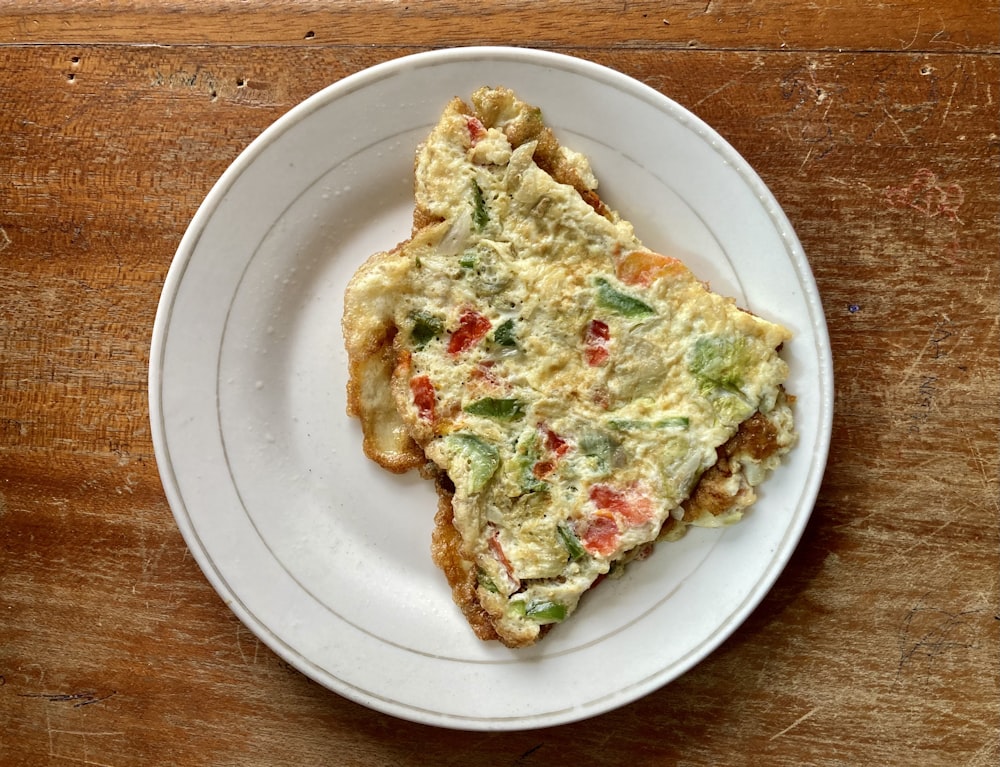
column 56, row 734
column 935, row 351
column 926, row 395
column 5, row 240
column 796, row 723
column 941, row 334
column 95, row 699
column 912, row 367
column 240, row 631
column 850, row 184
column 947, row 107
column 987, row 476
column 915, row 34
column 529, row 752
column 930, row 632
column 728, row 84
column 925, row 539
column 77, row 698
column 894, row 121
column 987, row 756
column 804, row 161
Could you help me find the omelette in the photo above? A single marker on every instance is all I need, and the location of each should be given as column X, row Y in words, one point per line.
column 574, row 395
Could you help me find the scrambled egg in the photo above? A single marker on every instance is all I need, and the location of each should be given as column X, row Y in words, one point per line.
column 572, row 384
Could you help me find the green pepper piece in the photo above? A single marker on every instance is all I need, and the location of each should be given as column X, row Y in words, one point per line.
column 425, row 328
column 598, row 446
column 483, row 459
column 504, row 334
column 526, row 456
column 469, row 259
column 671, row 422
column 570, row 541
column 480, row 216
column 622, row 303
column 719, row 362
column 539, row 610
column 500, row 409
column 485, row 581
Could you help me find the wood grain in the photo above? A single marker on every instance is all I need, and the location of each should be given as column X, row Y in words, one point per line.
column 879, row 136
column 905, row 25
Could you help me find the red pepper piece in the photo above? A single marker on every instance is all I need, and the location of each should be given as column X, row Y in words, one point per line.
column 631, row 505
column 477, row 131
column 472, row 327
column 601, row 535
column 595, row 343
column 542, row 469
column 554, row 442
column 424, row 396
column 497, row 550
column 483, row 372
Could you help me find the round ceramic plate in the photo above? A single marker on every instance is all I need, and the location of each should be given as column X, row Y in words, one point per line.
column 324, row 555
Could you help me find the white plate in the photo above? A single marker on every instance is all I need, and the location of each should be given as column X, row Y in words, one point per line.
column 324, row 555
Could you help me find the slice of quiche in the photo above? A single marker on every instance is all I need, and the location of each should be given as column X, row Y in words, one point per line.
column 575, row 395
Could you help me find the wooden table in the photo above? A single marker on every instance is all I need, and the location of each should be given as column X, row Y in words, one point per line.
column 876, row 126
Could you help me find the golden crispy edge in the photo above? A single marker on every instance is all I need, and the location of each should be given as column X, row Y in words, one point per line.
column 756, row 439
column 460, row 570
column 446, row 550
column 529, row 126
column 371, row 359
